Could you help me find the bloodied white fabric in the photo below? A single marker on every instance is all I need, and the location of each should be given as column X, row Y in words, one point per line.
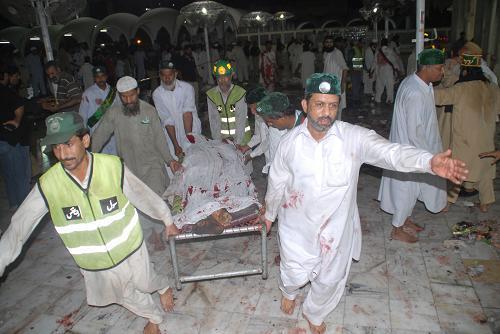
column 213, row 178
column 312, row 189
column 414, row 122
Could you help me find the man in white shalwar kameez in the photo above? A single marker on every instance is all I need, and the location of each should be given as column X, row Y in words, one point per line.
column 414, row 122
column 386, row 67
column 312, row 189
column 334, row 63
column 368, row 75
column 175, row 102
column 96, row 100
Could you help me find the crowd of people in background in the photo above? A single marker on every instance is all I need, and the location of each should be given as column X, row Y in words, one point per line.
column 144, row 104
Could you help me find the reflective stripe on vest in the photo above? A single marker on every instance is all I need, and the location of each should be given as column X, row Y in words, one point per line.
column 98, row 225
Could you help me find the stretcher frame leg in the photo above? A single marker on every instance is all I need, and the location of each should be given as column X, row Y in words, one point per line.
column 263, row 270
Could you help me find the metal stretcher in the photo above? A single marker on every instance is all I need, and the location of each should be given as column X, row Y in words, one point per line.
column 244, row 222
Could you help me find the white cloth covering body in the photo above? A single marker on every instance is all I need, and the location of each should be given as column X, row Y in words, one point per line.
column 213, row 178
column 312, row 189
column 414, row 122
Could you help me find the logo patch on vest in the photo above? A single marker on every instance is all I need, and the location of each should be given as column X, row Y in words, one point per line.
column 72, row 212
column 109, row 205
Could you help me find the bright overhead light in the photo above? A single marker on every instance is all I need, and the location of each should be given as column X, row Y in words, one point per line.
column 103, row 45
column 257, row 18
column 34, row 38
column 103, row 30
column 68, row 34
column 282, row 16
column 204, row 11
column 4, row 42
column 375, row 9
column 147, row 8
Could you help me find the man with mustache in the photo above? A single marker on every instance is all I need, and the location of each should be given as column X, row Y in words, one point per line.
column 96, row 100
column 66, row 90
column 140, row 140
column 312, row 189
column 92, row 200
column 227, row 109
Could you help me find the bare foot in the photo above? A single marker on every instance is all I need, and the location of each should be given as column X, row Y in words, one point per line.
column 446, row 208
column 321, row 329
column 410, row 224
column 404, row 235
column 484, row 207
column 167, row 300
column 152, row 328
column 287, row 305
column 222, row 217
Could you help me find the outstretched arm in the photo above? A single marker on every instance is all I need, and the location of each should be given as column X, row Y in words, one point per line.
column 444, row 165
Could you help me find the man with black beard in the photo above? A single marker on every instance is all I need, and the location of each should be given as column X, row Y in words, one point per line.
column 312, row 189
column 140, row 140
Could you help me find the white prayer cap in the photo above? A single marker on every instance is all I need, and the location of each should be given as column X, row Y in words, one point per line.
column 125, row 84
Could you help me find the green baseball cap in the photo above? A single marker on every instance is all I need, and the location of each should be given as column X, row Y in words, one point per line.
column 431, row 57
column 222, row 67
column 61, row 127
column 323, row 83
column 255, row 95
column 273, row 105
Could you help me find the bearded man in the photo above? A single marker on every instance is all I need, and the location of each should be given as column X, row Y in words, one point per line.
column 140, row 140
column 312, row 189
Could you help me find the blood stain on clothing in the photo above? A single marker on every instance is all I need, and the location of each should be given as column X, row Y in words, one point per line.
column 325, row 244
column 358, row 309
column 294, row 200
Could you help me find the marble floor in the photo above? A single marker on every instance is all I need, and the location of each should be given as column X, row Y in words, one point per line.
column 395, row 287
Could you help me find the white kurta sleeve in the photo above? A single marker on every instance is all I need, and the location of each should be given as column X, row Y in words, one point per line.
column 214, row 119
column 263, row 132
column 415, row 128
column 163, row 113
column 189, row 104
column 279, row 177
column 84, row 110
column 378, row 151
column 145, row 199
column 241, row 120
column 22, row 224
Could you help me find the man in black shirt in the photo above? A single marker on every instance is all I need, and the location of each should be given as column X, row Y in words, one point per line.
column 15, row 166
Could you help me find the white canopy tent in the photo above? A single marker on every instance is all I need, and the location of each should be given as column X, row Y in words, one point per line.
column 116, row 25
column 155, row 19
column 81, row 30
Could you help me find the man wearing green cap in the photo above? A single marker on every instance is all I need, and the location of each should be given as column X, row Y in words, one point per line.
column 259, row 143
column 92, row 200
column 476, row 104
column 312, row 189
column 227, row 109
column 96, row 100
column 414, row 122
column 175, row 102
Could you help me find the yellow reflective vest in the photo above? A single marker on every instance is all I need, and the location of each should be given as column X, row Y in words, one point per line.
column 98, row 225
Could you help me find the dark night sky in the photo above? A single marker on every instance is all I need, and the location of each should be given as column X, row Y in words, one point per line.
column 306, row 10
